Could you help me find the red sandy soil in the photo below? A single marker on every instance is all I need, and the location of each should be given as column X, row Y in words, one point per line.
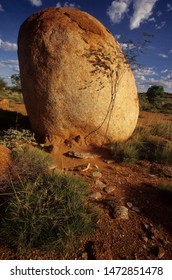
column 146, row 234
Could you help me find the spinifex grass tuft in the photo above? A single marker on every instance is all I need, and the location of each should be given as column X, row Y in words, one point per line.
column 152, row 143
column 163, row 130
column 48, row 211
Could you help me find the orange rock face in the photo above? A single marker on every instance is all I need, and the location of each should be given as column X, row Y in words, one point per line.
column 5, row 165
column 75, row 78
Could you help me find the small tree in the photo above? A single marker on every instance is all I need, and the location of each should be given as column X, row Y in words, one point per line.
column 3, row 84
column 16, row 82
column 155, row 94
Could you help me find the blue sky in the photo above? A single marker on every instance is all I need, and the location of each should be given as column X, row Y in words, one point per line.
column 126, row 19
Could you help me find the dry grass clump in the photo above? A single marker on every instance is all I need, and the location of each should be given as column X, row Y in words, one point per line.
column 163, row 130
column 45, row 210
column 151, row 143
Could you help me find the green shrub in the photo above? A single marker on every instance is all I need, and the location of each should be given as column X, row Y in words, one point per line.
column 13, row 96
column 45, row 210
column 147, row 107
column 155, row 94
column 3, row 84
column 167, row 107
column 126, row 152
column 156, row 149
column 160, row 103
column 16, row 96
column 8, row 137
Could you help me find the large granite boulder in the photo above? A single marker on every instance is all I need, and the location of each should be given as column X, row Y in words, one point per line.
column 75, row 79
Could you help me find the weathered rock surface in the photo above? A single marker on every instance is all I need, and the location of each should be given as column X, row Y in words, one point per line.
column 75, row 79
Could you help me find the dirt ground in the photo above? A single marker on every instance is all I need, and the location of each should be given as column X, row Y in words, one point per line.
column 144, row 230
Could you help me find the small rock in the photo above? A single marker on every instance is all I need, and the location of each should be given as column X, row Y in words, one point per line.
column 96, row 195
column 79, row 155
column 136, row 209
column 122, row 213
column 52, row 167
column 109, row 189
column 129, row 204
column 34, row 143
column 42, row 145
column 83, row 167
column 100, row 184
column 147, row 226
column 96, row 166
column 145, row 239
column 85, row 256
column 109, row 161
column 97, row 174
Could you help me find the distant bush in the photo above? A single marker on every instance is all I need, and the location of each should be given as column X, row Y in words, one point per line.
column 162, row 105
column 45, row 210
column 155, row 94
column 3, row 84
column 16, row 82
column 166, row 107
column 12, row 95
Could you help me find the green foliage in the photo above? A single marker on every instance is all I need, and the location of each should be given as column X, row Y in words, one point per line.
column 16, row 82
column 167, row 107
column 143, row 102
column 11, row 136
column 163, row 104
column 11, row 95
column 152, row 143
column 2, row 84
column 155, row 94
column 45, row 210
column 133, row 49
